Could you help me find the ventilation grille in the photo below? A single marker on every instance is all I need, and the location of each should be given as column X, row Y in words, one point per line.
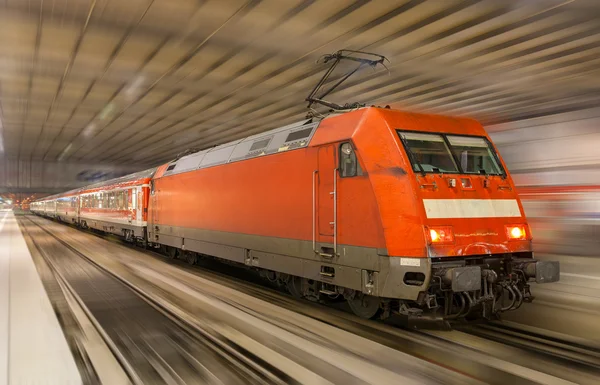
column 260, row 144
column 300, row 134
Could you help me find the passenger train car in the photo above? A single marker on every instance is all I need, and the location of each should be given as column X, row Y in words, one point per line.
column 397, row 213
column 118, row 206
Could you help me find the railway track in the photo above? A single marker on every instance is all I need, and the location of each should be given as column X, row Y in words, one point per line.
column 476, row 355
column 151, row 344
column 526, row 354
column 570, row 351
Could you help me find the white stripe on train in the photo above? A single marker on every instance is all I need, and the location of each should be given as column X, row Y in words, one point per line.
column 471, row 208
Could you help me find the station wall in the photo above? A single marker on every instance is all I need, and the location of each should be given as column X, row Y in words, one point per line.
column 555, row 162
column 555, row 150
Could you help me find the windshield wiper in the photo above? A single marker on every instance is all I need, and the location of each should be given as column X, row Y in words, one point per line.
column 411, row 156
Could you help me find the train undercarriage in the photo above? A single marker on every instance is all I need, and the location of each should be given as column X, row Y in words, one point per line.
column 465, row 290
column 460, row 290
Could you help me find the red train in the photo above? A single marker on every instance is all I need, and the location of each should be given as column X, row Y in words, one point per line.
column 397, row 213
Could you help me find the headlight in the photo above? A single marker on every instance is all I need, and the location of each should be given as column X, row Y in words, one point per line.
column 516, row 232
column 440, row 234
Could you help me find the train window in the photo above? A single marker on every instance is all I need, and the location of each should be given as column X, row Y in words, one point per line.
column 348, row 163
column 475, row 155
column 119, row 200
column 172, row 166
column 428, row 152
column 133, row 199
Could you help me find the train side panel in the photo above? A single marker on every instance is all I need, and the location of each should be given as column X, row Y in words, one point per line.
column 267, row 211
column 67, row 208
column 117, row 209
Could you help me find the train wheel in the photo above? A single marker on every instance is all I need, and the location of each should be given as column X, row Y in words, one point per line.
column 365, row 306
column 294, row 286
column 191, row 258
column 171, row 252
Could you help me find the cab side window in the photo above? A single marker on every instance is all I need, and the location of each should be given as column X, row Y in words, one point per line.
column 349, row 166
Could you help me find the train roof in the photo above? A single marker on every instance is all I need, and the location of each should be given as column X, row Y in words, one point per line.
column 145, row 174
column 55, row 196
column 286, row 138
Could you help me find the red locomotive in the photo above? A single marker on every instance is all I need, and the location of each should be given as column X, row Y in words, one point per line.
column 397, row 213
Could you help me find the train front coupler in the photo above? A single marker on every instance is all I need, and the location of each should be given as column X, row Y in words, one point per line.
column 488, row 289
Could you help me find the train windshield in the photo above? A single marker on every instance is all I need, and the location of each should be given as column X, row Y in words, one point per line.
column 428, row 152
column 440, row 153
column 475, row 155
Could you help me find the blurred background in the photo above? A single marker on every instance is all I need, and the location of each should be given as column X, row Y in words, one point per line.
column 95, row 89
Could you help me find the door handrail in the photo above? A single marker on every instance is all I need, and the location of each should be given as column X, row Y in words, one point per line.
column 314, row 210
column 334, row 193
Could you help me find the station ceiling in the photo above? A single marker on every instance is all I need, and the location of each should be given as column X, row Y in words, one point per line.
column 138, row 81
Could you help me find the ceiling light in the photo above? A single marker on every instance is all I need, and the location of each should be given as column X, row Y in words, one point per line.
column 89, row 130
column 62, row 154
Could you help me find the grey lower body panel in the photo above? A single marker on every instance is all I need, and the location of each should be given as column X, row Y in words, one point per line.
column 112, row 227
column 69, row 218
column 360, row 268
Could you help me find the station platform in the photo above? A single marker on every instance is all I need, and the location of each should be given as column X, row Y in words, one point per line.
column 33, row 348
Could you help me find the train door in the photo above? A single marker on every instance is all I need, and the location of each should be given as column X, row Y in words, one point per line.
column 326, row 183
column 131, row 204
column 153, row 203
column 78, row 207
